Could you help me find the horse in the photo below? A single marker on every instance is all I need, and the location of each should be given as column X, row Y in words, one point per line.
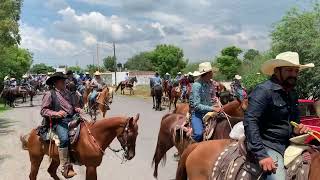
column 86, row 92
column 8, row 96
column 166, row 87
column 198, row 160
column 75, row 94
column 128, row 85
column 90, row 147
column 101, row 103
column 156, row 93
column 175, row 94
column 167, row 132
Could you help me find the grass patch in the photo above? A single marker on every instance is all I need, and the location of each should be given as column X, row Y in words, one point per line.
column 2, row 108
column 142, row 90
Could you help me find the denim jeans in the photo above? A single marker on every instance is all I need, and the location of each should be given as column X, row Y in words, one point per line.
column 62, row 131
column 197, row 126
column 93, row 95
column 184, row 91
column 277, row 157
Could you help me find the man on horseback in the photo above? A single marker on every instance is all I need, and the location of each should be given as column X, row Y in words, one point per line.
column 201, row 100
column 126, row 79
column 237, row 89
column 97, row 85
column 71, row 78
column 184, row 83
column 272, row 105
column 87, row 77
column 58, row 108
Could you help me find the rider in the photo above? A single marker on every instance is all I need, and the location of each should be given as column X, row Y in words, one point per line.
column 184, row 82
column 201, row 99
column 6, row 81
column 156, row 80
column 87, row 77
column 126, row 78
column 190, row 78
column 237, row 89
column 166, row 77
column 56, row 104
column 13, row 82
column 272, row 105
column 71, row 78
column 97, row 84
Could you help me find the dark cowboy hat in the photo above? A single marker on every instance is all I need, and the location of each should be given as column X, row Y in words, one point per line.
column 54, row 77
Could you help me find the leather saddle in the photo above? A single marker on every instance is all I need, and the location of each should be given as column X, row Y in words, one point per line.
column 235, row 163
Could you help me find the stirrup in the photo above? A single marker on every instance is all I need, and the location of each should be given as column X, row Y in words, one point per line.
column 68, row 171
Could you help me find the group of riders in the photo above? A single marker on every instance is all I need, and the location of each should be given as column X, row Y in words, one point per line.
column 272, row 105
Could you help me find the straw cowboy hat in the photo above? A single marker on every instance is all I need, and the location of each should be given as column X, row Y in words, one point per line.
column 196, row 73
column 54, row 77
column 205, row 68
column 97, row 73
column 49, row 73
column 284, row 59
column 238, row 77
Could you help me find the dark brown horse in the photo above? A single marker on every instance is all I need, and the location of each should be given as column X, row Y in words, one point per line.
column 166, row 87
column 197, row 161
column 174, row 96
column 90, row 148
column 128, row 85
column 167, row 138
column 102, row 103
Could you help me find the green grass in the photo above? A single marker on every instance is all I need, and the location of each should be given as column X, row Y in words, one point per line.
column 2, row 108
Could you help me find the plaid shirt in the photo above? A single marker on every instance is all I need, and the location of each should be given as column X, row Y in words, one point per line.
column 202, row 95
column 64, row 99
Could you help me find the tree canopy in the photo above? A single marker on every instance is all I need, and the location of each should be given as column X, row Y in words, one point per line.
column 140, row 62
column 75, row 69
column 109, row 63
column 41, row 69
column 228, row 62
column 250, row 55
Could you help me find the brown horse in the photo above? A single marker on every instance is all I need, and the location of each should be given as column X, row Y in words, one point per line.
column 102, row 103
column 85, row 95
column 166, row 136
column 128, row 85
column 174, row 96
column 166, row 88
column 90, row 148
column 197, row 161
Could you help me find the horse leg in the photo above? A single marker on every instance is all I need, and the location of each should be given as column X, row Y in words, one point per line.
column 31, row 100
column 153, row 103
column 52, row 170
column 91, row 173
column 35, row 164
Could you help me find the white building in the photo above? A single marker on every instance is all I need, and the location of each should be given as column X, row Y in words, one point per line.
column 143, row 77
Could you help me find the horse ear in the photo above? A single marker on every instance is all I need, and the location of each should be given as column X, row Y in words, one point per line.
column 137, row 118
column 131, row 121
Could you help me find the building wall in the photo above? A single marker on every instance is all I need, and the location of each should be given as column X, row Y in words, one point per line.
column 143, row 77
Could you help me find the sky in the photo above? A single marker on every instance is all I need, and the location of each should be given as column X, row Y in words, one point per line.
column 66, row 32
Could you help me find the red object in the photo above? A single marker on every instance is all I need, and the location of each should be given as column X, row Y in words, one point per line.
column 305, row 101
column 310, row 138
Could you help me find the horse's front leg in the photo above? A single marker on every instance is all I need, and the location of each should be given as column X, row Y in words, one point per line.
column 91, row 173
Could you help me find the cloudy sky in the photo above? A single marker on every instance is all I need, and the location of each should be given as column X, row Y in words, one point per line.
column 67, row 31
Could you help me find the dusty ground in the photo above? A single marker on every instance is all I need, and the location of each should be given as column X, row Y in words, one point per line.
column 15, row 165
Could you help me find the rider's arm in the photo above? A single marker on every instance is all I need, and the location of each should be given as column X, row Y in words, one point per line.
column 195, row 100
column 258, row 102
column 46, row 106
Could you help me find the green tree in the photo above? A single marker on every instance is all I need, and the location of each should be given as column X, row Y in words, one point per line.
column 191, row 67
column 139, row 62
column 75, row 68
column 41, row 69
column 299, row 31
column 109, row 63
column 93, row 68
column 167, row 58
column 228, row 63
column 250, row 55
column 9, row 22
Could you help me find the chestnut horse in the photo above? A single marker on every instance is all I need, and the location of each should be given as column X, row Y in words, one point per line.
column 85, row 95
column 102, row 103
column 175, row 94
column 197, row 161
column 168, row 123
column 90, row 148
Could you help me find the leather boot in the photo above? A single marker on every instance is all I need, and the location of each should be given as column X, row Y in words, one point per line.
column 67, row 169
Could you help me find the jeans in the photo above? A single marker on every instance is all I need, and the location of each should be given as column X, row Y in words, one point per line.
column 277, row 157
column 197, row 126
column 93, row 95
column 184, row 91
column 62, row 131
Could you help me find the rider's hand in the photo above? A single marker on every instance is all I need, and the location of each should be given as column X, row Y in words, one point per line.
column 79, row 110
column 217, row 109
column 301, row 129
column 61, row 114
column 268, row 165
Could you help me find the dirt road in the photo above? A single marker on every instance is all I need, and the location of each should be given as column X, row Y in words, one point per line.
column 15, row 165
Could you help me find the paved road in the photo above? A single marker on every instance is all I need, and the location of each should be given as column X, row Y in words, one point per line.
column 15, row 165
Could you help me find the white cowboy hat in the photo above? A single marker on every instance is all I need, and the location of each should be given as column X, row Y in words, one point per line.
column 258, row 73
column 24, row 76
column 238, row 77
column 6, row 77
column 167, row 74
column 12, row 79
column 196, row 73
column 49, row 73
column 289, row 58
column 205, row 68
column 189, row 73
column 179, row 73
column 97, row 73
column 87, row 73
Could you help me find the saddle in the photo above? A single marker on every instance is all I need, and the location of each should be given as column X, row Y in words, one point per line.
column 235, row 163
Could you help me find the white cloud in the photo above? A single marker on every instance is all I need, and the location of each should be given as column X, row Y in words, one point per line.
column 88, row 38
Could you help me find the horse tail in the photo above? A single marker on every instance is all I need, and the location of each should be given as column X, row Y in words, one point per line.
column 181, row 169
column 24, row 141
column 118, row 87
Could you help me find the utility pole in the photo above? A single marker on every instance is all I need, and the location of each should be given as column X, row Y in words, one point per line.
column 115, row 64
column 98, row 57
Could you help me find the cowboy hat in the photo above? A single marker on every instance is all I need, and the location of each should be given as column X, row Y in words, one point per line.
column 49, row 73
column 12, row 79
column 97, row 73
column 179, row 73
column 196, row 73
column 205, row 68
column 54, row 77
column 24, row 76
column 87, row 73
column 6, row 77
column 167, row 74
column 238, row 77
column 189, row 73
column 284, row 59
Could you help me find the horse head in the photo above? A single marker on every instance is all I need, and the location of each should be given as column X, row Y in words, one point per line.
column 71, row 86
column 134, row 79
column 128, row 137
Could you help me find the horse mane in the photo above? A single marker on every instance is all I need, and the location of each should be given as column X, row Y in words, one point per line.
column 109, row 122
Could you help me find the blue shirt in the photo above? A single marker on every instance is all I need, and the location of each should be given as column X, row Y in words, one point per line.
column 155, row 81
column 201, row 97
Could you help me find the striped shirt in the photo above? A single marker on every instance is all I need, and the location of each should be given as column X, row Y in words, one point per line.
column 64, row 99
